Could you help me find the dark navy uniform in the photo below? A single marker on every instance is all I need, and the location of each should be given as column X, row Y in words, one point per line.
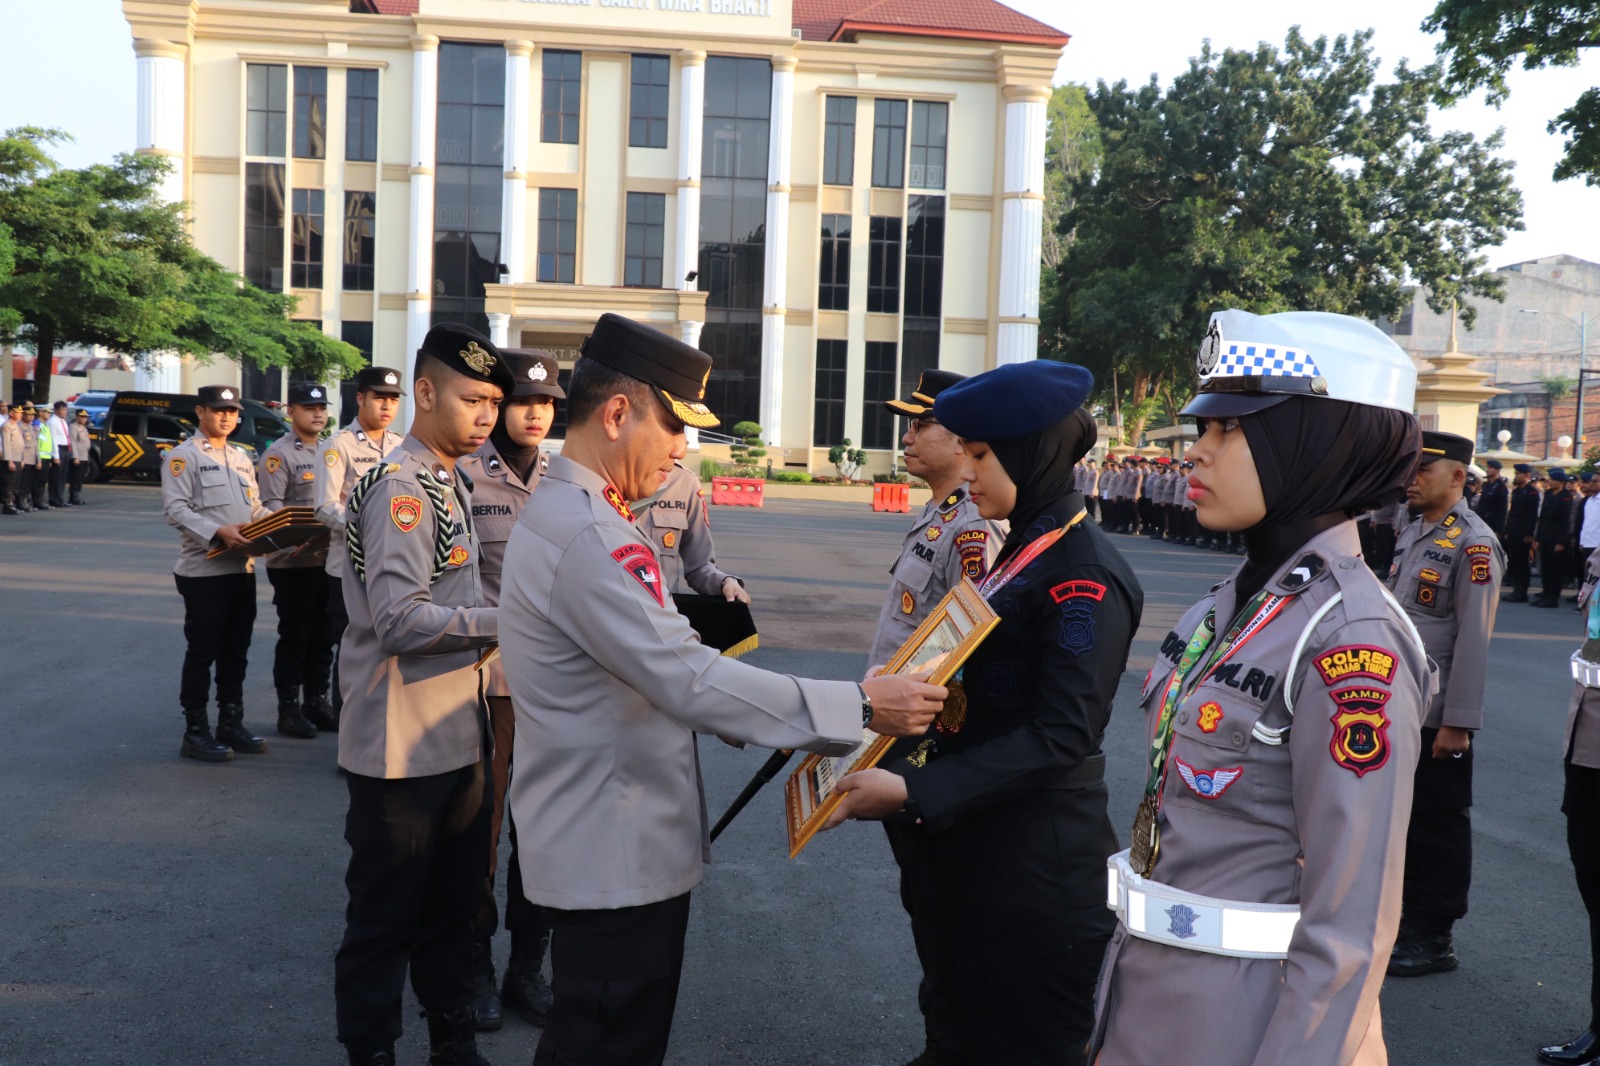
column 1517, row 534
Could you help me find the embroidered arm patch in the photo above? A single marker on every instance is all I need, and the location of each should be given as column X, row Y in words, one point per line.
column 1360, row 741
column 405, row 512
column 1077, row 626
column 1478, row 556
column 1356, row 660
column 640, row 561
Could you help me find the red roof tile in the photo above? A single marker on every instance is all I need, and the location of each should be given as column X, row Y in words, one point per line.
column 986, row 20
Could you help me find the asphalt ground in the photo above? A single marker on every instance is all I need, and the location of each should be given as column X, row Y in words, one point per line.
column 159, row 911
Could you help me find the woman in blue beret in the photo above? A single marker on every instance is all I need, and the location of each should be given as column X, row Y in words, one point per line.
column 1013, row 796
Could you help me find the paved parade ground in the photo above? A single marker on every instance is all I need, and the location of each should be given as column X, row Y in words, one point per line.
column 162, row 911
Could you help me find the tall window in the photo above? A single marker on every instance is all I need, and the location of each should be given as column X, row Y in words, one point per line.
column 360, row 252
column 930, row 130
column 924, row 256
column 889, row 144
column 646, row 237
column 305, row 240
column 310, row 112
column 469, row 177
column 558, row 235
column 563, row 77
column 883, row 264
column 263, row 225
column 358, row 335
column 877, row 421
column 839, row 141
column 833, row 285
column 647, row 102
column 827, row 420
column 361, row 116
column 266, row 109
column 733, row 211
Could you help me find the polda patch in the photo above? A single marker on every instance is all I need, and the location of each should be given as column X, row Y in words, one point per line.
column 274, row 464
column 1356, row 660
column 405, row 512
column 640, row 562
column 1360, row 741
column 175, row 466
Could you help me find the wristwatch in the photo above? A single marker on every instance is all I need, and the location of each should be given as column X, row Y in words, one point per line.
column 866, row 708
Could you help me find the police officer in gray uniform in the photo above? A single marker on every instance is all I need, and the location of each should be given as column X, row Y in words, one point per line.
column 678, row 525
column 11, row 450
column 1447, row 577
column 28, row 468
column 208, row 490
column 610, row 685
column 346, row 457
column 1259, row 903
column 503, row 474
column 80, row 444
column 288, row 475
column 413, row 736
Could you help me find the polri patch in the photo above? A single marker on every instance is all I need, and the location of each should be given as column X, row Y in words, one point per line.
column 669, row 539
column 406, row 512
column 1360, row 741
column 1356, row 660
column 972, row 561
column 1207, row 784
column 458, row 556
column 1071, row 590
column 640, row 561
column 1210, row 717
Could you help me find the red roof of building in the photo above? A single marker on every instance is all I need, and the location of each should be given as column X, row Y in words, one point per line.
column 984, row 20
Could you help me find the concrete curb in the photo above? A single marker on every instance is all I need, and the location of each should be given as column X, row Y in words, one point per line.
column 780, row 490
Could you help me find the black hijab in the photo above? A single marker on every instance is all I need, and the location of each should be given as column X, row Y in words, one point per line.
column 1320, row 463
column 1041, row 464
column 514, row 455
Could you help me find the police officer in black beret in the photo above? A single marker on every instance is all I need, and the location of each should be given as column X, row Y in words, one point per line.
column 1517, row 536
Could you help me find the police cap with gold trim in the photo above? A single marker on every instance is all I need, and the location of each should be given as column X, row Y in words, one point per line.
column 535, row 371
column 469, row 353
column 929, row 386
column 677, row 371
column 1437, row 445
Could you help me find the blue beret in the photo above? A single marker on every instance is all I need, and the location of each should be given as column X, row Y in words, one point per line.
column 1013, row 400
column 1522, row 468
column 1558, row 474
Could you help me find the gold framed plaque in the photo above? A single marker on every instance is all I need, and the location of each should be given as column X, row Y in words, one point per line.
column 940, row 645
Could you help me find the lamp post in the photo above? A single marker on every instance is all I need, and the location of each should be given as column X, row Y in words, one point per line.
column 1581, row 324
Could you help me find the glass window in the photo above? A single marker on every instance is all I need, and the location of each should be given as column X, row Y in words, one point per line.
column 558, row 235
column 358, row 335
column 929, row 131
column 827, row 422
column 267, row 108
column 126, row 424
column 889, row 144
column 839, row 141
column 263, row 225
column 468, row 180
column 924, row 256
column 360, row 245
column 361, row 116
column 161, row 427
column 259, row 383
column 563, row 76
column 310, row 112
column 646, row 237
column 833, row 286
column 647, row 102
column 305, row 240
column 883, row 264
column 878, row 384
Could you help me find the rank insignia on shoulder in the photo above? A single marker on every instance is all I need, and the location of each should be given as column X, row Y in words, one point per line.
column 669, row 539
column 1356, row 660
column 458, row 556
column 1208, row 784
column 405, row 512
column 176, row 466
column 1360, row 741
column 1305, row 571
column 618, row 504
column 331, row 459
column 640, row 562
column 952, row 499
column 948, row 516
column 1449, row 520
column 1210, row 717
column 273, row 464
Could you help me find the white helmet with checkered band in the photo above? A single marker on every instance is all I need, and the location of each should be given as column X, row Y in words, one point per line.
column 1250, row 362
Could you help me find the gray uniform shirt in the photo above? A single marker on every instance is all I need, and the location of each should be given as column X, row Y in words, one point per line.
column 498, row 496
column 287, row 474
column 948, row 541
column 1447, row 577
column 411, row 704
column 345, row 457
column 203, row 489
column 79, row 436
column 13, row 446
column 678, row 526
column 1318, row 820
column 610, row 685
column 30, row 443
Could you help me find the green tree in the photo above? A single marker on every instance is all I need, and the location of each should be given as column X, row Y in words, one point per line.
column 1268, row 181
column 1483, row 38
column 1071, row 150
column 100, row 259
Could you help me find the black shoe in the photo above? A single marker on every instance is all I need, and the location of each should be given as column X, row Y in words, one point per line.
column 1515, row 596
column 370, row 1054
column 8, row 509
column 1421, row 953
column 486, row 1012
column 291, row 723
column 76, row 503
column 231, row 730
column 319, row 712
column 200, row 744
column 1545, row 601
column 1581, row 1049
column 453, row 1039
column 524, row 989
column 932, row 1056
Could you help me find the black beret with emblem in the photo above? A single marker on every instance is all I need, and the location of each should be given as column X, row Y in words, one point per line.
column 308, row 394
column 215, row 396
column 929, row 386
column 1437, row 445
column 469, row 353
column 535, row 372
column 381, row 380
column 677, row 371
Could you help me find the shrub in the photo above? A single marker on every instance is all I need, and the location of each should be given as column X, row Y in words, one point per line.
column 847, row 460
column 749, row 449
column 790, row 477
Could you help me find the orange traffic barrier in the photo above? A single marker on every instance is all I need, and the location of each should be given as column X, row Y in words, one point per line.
column 890, row 497
column 738, row 491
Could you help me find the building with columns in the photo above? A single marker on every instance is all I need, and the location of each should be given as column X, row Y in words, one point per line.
column 780, row 182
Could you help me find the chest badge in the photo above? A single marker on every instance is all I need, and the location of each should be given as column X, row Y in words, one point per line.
column 458, row 556
column 948, row 516
column 1211, row 716
column 908, row 603
column 669, row 540
column 308, row 475
column 1428, row 574
column 934, row 532
column 1208, row 784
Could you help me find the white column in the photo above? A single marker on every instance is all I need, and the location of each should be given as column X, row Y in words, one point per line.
column 779, row 152
column 159, row 124
column 689, row 333
column 1022, row 225
column 514, row 216
column 500, row 329
column 691, row 127
column 424, row 122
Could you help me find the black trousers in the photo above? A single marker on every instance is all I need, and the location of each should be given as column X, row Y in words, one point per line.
column 80, row 469
column 1439, row 842
column 58, row 481
column 304, row 652
column 615, row 980
column 8, row 485
column 1552, row 570
column 523, row 919
column 1518, row 569
column 218, row 615
column 1383, row 544
column 338, row 622
column 39, row 480
column 1580, row 802
column 416, row 862
column 935, row 997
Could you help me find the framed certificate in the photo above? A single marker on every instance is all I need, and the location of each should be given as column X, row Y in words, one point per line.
column 940, row 645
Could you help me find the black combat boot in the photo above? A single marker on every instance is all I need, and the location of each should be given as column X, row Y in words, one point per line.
column 370, row 1054
column 291, row 723
column 231, row 730
column 198, row 743
column 486, row 1011
column 453, row 1039
column 1417, row 952
column 319, row 712
column 524, row 989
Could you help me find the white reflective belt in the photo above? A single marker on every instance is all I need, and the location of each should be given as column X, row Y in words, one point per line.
column 1153, row 911
column 1584, row 672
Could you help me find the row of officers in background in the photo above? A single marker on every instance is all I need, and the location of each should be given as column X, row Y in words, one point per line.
column 44, row 457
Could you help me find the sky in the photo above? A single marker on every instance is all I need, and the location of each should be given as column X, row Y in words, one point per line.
column 69, row 64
